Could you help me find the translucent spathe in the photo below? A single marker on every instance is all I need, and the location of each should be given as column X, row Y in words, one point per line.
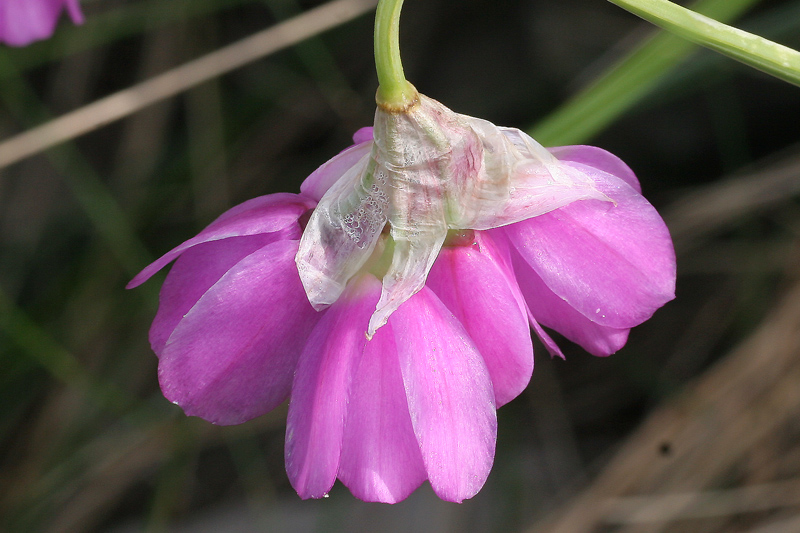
column 429, row 170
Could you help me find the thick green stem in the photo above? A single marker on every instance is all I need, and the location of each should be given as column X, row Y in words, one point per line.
column 772, row 58
column 394, row 92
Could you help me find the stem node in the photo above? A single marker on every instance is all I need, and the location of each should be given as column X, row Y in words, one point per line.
column 395, row 93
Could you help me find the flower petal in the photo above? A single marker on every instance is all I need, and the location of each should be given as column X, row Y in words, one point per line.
column 320, row 393
column 613, row 263
column 265, row 214
column 195, row 271
column 25, row 21
column 362, row 135
column 380, row 459
column 322, row 179
column 553, row 312
column 599, row 159
column 74, row 10
column 233, row 355
column 450, row 396
column 473, row 282
column 546, row 339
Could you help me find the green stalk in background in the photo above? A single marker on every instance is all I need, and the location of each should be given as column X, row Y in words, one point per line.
column 762, row 54
column 626, row 83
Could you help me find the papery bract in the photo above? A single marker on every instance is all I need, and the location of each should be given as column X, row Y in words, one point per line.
column 428, row 171
column 25, row 21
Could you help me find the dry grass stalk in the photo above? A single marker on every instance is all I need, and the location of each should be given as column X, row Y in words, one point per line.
column 697, row 439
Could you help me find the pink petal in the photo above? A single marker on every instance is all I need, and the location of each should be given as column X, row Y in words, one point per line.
column 362, row 135
column 74, row 11
column 233, row 355
column 25, row 21
column 614, row 264
column 320, row 393
column 380, row 460
column 195, row 271
column 322, row 179
column 475, row 284
column 553, row 312
column 597, row 158
column 265, row 214
column 450, row 396
column 546, row 339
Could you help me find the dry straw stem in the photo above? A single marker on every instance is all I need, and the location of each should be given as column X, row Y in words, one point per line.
column 744, row 404
column 706, row 504
column 177, row 80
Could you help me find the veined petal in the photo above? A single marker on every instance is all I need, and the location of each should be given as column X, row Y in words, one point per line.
column 233, row 355
column 553, row 312
column 268, row 213
column 321, row 390
column 613, row 263
column 196, row 271
column 74, row 10
column 450, row 396
column 317, row 184
column 380, row 459
column 265, row 214
column 362, row 135
column 473, row 282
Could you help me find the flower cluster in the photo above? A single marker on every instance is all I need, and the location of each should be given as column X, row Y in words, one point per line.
column 392, row 299
column 25, row 21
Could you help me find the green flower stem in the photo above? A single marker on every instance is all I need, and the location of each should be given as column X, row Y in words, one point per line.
column 765, row 55
column 394, row 92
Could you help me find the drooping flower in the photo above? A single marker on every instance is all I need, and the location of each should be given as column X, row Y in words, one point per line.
column 25, row 21
column 392, row 300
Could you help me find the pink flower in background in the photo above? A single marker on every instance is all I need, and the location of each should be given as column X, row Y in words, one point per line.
column 422, row 303
column 25, row 21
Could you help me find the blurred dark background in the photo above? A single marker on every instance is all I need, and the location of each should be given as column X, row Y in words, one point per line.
column 700, row 402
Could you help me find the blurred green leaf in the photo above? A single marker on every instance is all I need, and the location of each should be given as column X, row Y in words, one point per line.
column 627, row 82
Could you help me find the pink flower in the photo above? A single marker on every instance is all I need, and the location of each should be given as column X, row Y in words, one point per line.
column 235, row 334
column 384, row 405
column 25, row 21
